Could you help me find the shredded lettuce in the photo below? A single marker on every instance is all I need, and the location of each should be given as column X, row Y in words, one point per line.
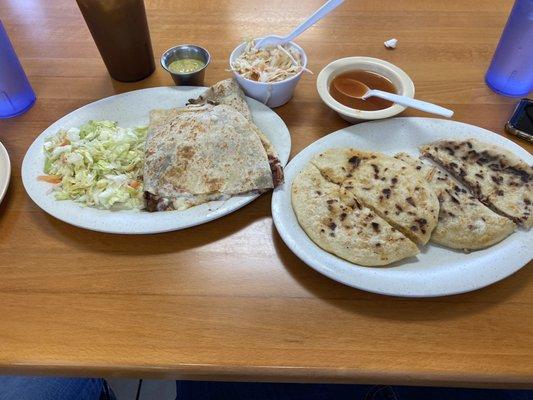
column 270, row 64
column 98, row 165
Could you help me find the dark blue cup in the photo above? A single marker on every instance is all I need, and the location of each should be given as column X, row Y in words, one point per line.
column 16, row 94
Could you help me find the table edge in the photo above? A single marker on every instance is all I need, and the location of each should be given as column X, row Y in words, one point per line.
column 277, row 374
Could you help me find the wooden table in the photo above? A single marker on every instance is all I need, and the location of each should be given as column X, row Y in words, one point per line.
column 228, row 300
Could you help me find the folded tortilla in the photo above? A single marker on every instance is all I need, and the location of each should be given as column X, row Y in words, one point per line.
column 210, row 149
column 229, row 92
column 226, row 92
column 202, row 153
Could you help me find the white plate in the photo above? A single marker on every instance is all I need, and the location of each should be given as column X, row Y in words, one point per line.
column 5, row 171
column 131, row 109
column 436, row 271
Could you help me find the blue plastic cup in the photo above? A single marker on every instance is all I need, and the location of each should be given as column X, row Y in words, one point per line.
column 511, row 70
column 16, row 94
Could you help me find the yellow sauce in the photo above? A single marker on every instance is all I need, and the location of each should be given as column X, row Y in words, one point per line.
column 186, row 66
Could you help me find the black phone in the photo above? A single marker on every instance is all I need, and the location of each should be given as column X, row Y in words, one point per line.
column 521, row 122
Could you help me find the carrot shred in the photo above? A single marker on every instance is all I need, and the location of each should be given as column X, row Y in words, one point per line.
column 50, row 179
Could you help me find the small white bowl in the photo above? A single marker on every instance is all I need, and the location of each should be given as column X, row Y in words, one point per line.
column 401, row 81
column 273, row 94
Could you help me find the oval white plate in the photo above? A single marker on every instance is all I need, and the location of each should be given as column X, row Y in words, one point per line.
column 5, row 171
column 131, row 109
column 436, row 271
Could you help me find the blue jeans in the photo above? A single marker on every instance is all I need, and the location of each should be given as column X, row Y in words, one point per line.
column 33, row 388
column 38, row 388
column 187, row 390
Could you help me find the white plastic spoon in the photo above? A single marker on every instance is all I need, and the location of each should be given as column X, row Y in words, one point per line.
column 274, row 40
column 356, row 89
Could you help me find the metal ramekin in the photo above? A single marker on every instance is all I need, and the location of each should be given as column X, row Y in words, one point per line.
column 186, row 51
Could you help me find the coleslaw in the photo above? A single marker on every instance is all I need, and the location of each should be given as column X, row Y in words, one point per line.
column 270, row 64
column 98, row 165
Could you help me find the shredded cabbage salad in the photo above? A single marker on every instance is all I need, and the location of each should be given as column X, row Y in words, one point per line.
column 270, row 64
column 98, row 165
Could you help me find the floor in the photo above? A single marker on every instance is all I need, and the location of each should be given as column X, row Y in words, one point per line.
column 151, row 389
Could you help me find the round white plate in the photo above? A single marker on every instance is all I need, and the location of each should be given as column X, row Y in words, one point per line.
column 5, row 171
column 436, row 271
column 132, row 109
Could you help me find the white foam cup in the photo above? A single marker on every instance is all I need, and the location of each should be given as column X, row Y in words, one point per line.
column 272, row 94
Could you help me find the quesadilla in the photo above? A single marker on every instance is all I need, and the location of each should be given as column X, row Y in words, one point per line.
column 228, row 92
column 211, row 149
column 199, row 154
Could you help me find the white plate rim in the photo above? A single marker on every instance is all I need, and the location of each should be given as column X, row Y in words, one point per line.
column 300, row 244
column 213, row 210
column 5, row 174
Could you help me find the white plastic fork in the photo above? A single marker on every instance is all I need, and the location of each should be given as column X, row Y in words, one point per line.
column 274, row 40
